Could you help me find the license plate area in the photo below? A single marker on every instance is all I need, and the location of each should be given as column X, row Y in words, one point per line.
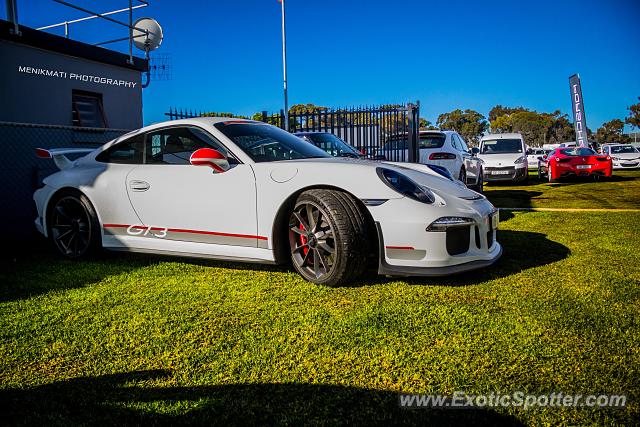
column 583, row 167
column 500, row 172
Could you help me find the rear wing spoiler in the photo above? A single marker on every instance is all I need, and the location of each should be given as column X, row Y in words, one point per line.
column 59, row 155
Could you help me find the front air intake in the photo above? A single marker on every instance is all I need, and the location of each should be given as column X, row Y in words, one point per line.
column 458, row 240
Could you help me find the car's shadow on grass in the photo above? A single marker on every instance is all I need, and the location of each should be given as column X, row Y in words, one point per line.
column 513, row 198
column 118, row 399
column 36, row 268
column 32, row 273
column 522, row 250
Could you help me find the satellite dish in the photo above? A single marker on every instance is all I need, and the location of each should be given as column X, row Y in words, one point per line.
column 147, row 34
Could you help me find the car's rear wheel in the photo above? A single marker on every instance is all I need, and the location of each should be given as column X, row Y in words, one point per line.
column 549, row 174
column 328, row 237
column 73, row 225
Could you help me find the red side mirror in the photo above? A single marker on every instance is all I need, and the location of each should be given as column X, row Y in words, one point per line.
column 210, row 157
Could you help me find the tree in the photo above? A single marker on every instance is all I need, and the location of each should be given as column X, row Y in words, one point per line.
column 426, row 124
column 499, row 110
column 611, row 131
column 634, row 115
column 561, row 129
column 468, row 123
column 532, row 125
column 536, row 128
column 501, row 124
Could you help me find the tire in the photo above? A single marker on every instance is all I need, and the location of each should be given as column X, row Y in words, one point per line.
column 336, row 249
column 463, row 176
column 539, row 173
column 73, row 225
column 549, row 174
column 479, row 187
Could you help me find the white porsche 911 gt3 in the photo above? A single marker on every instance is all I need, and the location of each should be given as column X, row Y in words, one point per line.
column 247, row 191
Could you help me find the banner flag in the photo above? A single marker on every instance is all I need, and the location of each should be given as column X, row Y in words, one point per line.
column 579, row 118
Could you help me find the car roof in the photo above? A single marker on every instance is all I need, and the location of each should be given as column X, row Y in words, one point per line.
column 502, row 136
column 436, row 131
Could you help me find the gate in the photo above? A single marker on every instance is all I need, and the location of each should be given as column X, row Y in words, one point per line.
column 388, row 132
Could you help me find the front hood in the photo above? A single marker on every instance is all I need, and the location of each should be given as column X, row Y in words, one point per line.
column 348, row 170
column 500, row 160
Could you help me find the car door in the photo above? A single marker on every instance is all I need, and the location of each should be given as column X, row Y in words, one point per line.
column 177, row 201
column 470, row 162
column 108, row 190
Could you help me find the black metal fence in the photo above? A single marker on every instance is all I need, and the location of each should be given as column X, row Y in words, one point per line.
column 379, row 132
column 22, row 172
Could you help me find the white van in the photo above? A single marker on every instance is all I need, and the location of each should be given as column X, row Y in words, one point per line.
column 504, row 157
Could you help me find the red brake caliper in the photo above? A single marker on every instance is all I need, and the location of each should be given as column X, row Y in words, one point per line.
column 303, row 241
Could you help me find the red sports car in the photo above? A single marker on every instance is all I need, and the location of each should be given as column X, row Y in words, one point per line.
column 575, row 161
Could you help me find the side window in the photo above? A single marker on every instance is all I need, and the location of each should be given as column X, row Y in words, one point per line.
column 462, row 144
column 130, row 151
column 174, row 146
column 454, row 142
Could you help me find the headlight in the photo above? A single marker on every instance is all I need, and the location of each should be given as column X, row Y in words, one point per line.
column 445, row 222
column 520, row 159
column 405, row 186
column 615, row 158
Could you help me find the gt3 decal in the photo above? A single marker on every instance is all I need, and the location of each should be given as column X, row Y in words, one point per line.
column 196, row 236
column 137, row 230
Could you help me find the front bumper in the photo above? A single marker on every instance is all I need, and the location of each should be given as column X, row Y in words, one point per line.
column 507, row 173
column 406, row 248
column 626, row 164
column 387, row 269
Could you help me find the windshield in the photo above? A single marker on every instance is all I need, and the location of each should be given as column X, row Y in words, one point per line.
column 396, row 144
column 623, row 149
column 501, row 146
column 578, row 152
column 266, row 143
column 332, row 145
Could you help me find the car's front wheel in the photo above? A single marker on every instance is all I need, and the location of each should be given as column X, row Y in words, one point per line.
column 328, row 237
column 479, row 186
column 463, row 175
column 73, row 225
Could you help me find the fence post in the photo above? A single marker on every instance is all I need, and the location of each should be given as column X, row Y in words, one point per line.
column 414, row 124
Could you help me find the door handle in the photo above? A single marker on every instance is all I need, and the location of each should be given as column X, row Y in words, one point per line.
column 136, row 185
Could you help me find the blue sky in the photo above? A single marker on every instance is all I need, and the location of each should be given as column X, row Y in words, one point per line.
column 448, row 54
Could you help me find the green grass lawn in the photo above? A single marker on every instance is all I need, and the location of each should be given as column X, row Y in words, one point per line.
column 138, row 339
column 622, row 190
